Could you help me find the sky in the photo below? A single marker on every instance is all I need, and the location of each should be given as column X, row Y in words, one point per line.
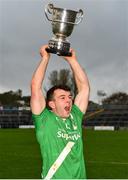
column 100, row 41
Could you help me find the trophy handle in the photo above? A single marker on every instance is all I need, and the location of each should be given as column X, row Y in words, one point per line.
column 79, row 17
column 49, row 9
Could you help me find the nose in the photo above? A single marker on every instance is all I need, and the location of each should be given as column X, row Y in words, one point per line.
column 68, row 99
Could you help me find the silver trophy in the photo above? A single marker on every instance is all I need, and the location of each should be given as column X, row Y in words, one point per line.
column 63, row 21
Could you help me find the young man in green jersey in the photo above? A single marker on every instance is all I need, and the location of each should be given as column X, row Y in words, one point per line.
column 58, row 121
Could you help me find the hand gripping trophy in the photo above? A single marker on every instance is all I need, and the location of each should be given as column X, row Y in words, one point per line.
column 63, row 21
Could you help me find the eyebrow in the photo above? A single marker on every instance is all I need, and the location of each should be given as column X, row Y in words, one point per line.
column 65, row 95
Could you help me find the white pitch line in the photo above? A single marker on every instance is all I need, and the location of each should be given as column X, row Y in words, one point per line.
column 109, row 162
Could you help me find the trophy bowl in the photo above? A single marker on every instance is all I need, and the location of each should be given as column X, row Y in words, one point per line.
column 63, row 21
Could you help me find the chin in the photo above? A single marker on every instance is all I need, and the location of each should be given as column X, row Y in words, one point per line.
column 66, row 115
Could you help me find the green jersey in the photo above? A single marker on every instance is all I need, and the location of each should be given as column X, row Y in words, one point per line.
column 54, row 134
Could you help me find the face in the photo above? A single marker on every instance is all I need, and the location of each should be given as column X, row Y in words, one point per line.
column 61, row 103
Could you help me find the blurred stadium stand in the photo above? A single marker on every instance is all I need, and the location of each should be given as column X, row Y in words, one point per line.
column 15, row 118
column 107, row 115
column 97, row 115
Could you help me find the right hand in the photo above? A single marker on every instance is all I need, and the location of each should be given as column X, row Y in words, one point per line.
column 44, row 53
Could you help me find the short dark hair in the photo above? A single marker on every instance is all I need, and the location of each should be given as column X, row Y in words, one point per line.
column 50, row 92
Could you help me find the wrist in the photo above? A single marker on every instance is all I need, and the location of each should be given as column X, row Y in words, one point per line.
column 45, row 58
column 72, row 61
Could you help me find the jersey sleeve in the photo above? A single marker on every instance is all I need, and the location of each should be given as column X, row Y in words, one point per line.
column 77, row 113
column 40, row 119
column 40, row 122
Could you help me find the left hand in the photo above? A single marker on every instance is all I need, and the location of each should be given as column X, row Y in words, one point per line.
column 71, row 58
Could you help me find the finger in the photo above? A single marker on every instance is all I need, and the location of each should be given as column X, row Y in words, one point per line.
column 72, row 50
column 44, row 47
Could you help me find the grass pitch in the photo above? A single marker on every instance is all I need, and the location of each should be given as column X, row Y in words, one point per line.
column 106, row 154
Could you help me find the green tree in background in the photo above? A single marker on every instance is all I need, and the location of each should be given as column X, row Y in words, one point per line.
column 61, row 77
column 14, row 99
column 10, row 98
column 116, row 98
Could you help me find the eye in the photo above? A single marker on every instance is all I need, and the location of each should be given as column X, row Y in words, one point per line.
column 62, row 97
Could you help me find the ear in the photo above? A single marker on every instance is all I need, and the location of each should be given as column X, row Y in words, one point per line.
column 51, row 104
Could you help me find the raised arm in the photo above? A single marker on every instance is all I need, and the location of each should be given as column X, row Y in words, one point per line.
column 37, row 97
column 82, row 83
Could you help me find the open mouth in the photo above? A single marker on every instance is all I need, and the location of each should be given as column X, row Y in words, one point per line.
column 67, row 108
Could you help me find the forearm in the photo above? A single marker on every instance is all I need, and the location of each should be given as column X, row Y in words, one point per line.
column 82, row 83
column 39, row 74
column 37, row 98
column 80, row 76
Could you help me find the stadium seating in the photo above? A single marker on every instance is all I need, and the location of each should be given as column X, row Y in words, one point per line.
column 105, row 115
column 110, row 115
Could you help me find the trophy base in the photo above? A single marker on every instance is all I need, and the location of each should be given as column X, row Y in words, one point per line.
column 60, row 48
column 58, row 52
